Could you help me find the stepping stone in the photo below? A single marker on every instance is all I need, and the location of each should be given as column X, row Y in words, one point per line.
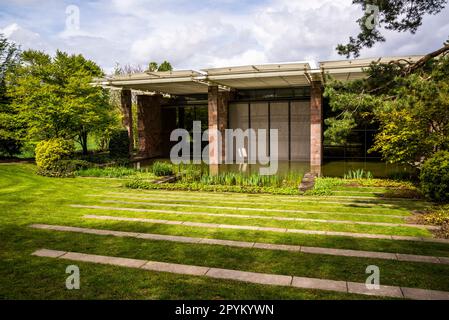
column 349, row 253
column 148, row 236
column 231, row 226
column 421, row 294
column 199, row 224
column 311, row 283
column 443, row 260
column 385, row 291
column 48, row 253
column 414, row 258
column 122, row 262
column 175, row 268
column 307, row 231
column 250, row 277
column 229, row 243
column 272, row 229
column 283, row 247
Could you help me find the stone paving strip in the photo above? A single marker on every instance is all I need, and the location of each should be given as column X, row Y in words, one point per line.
column 249, row 277
column 230, row 215
column 255, row 245
column 193, row 200
column 269, row 229
column 167, row 204
column 298, row 200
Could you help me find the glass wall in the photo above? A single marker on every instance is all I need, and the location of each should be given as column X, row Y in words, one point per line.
column 290, row 117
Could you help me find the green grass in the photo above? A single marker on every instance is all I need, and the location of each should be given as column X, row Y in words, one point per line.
column 26, row 199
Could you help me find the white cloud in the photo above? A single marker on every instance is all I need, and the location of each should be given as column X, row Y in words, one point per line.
column 225, row 32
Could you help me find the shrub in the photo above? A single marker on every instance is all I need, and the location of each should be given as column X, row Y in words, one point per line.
column 324, row 186
column 162, row 169
column 119, row 144
column 435, row 177
column 50, row 152
column 65, row 168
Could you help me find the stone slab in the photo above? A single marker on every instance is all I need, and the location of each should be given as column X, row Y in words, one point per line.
column 421, row 294
column 384, row 291
column 415, row 258
column 122, row 262
column 232, row 226
column 443, row 260
column 200, row 224
column 261, row 278
column 349, row 253
column 229, row 243
column 320, row 284
column 148, row 236
column 48, row 253
column 283, row 247
column 175, row 268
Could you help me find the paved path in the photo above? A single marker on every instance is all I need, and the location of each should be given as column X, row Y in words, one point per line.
column 230, row 215
column 375, row 202
column 251, row 277
column 359, row 215
column 282, row 230
column 255, row 245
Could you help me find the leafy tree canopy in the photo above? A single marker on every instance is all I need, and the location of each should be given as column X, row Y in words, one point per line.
column 396, row 15
column 9, row 141
column 54, row 97
column 409, row 101
column 164, row 66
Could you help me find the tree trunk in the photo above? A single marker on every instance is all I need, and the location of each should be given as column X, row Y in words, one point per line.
column 83, row 141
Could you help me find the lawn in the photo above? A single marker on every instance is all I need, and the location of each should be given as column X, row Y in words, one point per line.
column 26, row 199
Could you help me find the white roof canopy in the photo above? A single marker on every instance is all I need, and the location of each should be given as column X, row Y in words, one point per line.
column 264, row 76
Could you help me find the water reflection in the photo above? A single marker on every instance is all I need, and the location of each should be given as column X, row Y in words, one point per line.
column 329, row 169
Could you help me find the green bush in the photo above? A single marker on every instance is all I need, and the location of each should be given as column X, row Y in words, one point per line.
column 50, row 152
column 119, row 144
column 435, row 177
column 65, row 168
column 162, row 169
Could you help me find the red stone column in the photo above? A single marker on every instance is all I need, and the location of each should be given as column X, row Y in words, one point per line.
column 149, row 126
column 218, row 122
column 126, row 104
column 316, row 127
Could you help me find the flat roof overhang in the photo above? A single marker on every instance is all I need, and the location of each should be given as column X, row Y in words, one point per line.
column 349, row 70
column 281, row 75
column 171, row 82
column 264, row 76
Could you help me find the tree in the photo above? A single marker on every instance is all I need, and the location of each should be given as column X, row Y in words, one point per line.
column 55, row 98
column 164, row 66
column 408, row 101
column 10, row 142
column 400, row 16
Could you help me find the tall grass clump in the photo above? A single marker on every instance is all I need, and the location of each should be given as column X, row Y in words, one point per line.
column 162, row 169
column 358, row 174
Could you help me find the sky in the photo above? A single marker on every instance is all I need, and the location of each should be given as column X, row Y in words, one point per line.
column 199, row 34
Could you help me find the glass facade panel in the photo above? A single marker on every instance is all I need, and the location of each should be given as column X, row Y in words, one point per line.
column 238, row 119
column 280, row 121
column 259, row 120
column 300, row 131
